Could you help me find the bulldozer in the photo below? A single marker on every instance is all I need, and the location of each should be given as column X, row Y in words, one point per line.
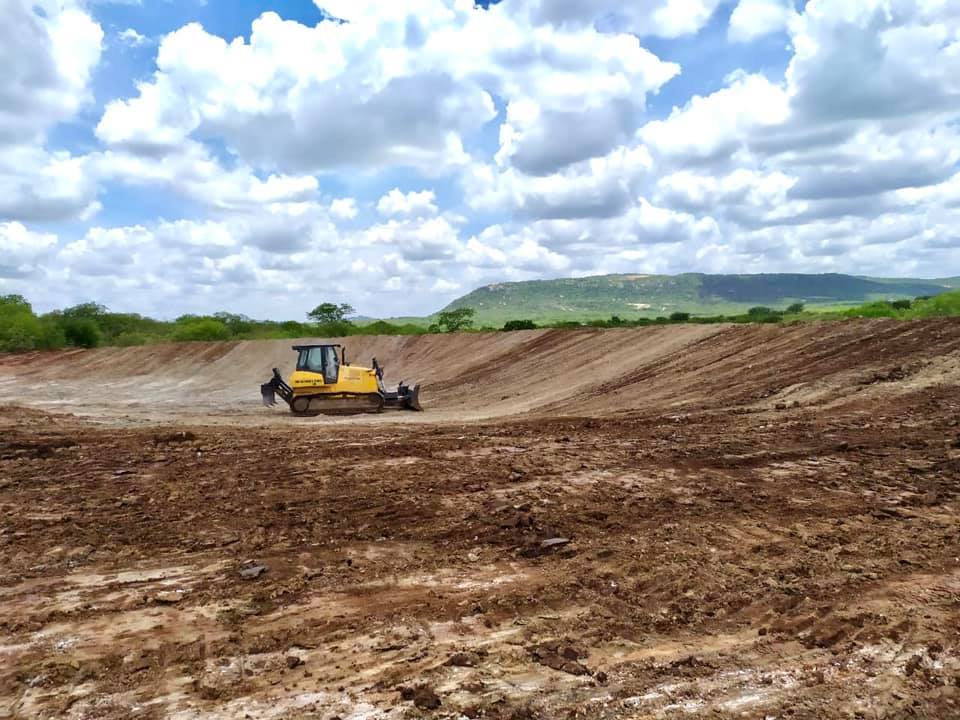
column 324, row 383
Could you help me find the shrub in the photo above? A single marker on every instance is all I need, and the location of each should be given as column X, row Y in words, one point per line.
column 380, row 327
column 679, row 317
column 294, row 329
column 513, row 325
column 81, row 331
column 237, row 324
column 51, row 334
column 901, row 304
column 943, row 305
column 341, row 328
column 872, row 310
column 201, row 329
column 130, row 339
column 19, row 333
column 795, row 308
column 20, row 329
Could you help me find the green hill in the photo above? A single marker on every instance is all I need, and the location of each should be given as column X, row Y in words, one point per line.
column 636, row 296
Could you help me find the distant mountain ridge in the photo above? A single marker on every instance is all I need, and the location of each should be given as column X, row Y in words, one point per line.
column 637, row 295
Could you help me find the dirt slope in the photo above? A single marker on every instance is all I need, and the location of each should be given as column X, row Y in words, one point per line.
column 490, row 375
column 677, row 522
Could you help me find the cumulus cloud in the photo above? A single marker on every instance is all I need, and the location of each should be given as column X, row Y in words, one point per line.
column 599, row 187
column 421, row 148
column 298, row 98
column 344, row 208
column 421, row 239
column 754, row 18
column 21, row 249
column 192, row 170
column 132, row 38
column 411, row 204
column 41, row 186
column 712, row 128
column 397, row 87
column 666, row 18
column 47, row 51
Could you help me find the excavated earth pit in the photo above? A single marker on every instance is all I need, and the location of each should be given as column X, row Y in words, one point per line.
column 675, row 522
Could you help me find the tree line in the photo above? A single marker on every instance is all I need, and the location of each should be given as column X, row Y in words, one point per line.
column 90, row 325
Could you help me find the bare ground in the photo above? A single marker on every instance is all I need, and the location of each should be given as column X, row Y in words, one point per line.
column 717, row 522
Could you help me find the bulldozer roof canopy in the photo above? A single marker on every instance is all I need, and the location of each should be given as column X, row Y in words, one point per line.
column 298, row 348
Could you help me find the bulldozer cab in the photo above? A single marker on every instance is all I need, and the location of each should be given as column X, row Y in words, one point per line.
column 321, row 359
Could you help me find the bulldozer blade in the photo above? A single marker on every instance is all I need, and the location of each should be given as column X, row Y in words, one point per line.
column 268, row 395
column 404, row 398
column 412, row 400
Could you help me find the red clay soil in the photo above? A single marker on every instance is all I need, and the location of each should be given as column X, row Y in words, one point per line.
column 678, row 522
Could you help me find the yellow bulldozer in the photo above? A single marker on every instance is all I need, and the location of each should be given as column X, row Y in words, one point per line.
column 324, row 383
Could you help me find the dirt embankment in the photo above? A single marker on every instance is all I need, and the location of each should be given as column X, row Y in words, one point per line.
column 720, row 522
column 490, row 375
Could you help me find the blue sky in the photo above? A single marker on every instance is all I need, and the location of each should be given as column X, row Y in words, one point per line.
column 187, row 156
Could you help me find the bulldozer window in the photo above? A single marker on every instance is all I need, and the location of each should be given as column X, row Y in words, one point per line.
column 320, row 360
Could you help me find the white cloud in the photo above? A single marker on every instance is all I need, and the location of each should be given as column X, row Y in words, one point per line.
column 421, row 239
column 503, row 252
column 754, row 18
column 599, row 187
column 528, row 123
column 875, row 59
column 667, row 18
column 21, row 250
column 47, row 51
column 387, row 88
column 344, row 208
column 36, row 185
column 713, row 127
column 132, row 38
column 299, row 98
column 411, row 204
column 192, row 171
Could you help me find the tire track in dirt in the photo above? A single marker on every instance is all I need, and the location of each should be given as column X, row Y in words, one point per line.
column 646, row 528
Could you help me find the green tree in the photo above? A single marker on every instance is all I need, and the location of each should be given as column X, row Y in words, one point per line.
column 329, row 313
column 512, row 325
column 88, row 310
column 795, row 308
column 10, row 304
column 454, row 320
column 238, row 324
column 679, row 317
column 19, row 327
column 201, row 329
column 81, row 331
